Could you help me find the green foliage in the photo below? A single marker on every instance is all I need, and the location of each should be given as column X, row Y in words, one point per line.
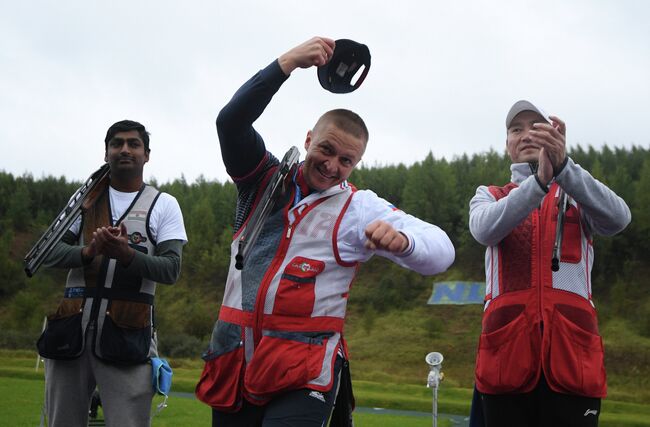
column 180, row 345
column 436, row 190
column 11, row 279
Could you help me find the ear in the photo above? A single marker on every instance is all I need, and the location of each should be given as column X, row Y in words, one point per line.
column 106, row 156
column 146, row 155
column 308, row 139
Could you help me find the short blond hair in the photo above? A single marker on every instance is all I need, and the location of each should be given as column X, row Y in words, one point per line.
column 346, row 120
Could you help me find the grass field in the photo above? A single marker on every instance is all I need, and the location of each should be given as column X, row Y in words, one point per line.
column 21, row 399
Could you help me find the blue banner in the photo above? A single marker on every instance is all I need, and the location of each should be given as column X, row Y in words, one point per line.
column 457, row 293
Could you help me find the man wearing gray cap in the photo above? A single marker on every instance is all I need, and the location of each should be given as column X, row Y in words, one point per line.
column 540, row 356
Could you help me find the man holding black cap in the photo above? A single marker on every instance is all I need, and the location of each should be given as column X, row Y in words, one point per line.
column 103, row 332
column 277, row 353
column 540, row 356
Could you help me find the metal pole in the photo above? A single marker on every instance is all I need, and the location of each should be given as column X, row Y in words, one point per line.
column 435, row 406
column 434, row 360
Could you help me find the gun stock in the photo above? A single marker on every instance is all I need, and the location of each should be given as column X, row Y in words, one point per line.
column 80, row 201
column 273, row 190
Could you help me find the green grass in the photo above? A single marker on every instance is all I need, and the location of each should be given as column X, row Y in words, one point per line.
column 21, row 402
column 23, row 399
column 368, row 420
column 21, row 392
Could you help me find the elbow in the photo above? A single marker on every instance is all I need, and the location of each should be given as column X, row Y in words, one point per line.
column 448, row 257
column 616, row 225
column 624, row 221
column 225, row 120
column 481, row 237
column 477, row 231
column 173, row 274
column 222, row 119
column 444, row 258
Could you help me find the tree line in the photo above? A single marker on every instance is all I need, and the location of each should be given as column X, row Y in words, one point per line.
column 435, row 189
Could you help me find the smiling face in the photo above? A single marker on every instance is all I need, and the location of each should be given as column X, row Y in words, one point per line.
column 126, row 154
column 519, row 143
column 331, row 156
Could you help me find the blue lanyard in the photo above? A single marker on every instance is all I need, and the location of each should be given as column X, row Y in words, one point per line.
column 298, row 195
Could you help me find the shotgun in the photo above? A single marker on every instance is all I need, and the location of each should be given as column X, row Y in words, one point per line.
column 80, row 201
column 272, row 192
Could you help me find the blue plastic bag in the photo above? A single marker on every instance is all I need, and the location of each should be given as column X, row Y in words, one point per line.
column 161, row 379
column 161, row 376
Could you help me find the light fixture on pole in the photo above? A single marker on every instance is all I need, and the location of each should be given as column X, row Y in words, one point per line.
column 434, row 360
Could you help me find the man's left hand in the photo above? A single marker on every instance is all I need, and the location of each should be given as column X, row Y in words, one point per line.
column 114, row 243
column 382, row 236
column 551, row 137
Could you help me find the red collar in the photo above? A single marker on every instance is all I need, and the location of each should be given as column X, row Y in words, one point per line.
column 302, row 184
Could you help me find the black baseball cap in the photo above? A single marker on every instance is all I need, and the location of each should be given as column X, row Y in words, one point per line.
column 347, row 59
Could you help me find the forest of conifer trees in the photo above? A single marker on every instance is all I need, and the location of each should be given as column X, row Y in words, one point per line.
column 436, row 190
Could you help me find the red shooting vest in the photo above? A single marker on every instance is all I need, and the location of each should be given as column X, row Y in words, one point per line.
column 537, row 320
column 291, row 338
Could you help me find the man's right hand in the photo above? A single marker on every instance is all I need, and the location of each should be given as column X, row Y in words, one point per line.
column 316, row 51
column 552, row 139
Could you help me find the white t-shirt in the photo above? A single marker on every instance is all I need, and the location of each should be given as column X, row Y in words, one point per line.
column 166, row 222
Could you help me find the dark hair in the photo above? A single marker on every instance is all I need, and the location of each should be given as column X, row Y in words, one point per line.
column 125, row 126
column 346, row 120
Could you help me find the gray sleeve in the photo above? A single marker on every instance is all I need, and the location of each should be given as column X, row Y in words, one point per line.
column 490, row 220
column 164, row 266
column 604, row 211
column 65, row 254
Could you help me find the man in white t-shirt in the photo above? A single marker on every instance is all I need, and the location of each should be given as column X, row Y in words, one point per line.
column 103, row 332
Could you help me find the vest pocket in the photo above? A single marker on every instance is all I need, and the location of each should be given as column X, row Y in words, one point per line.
column 285, row 361
column 575, row 363
column 220, row 382
column 62, row 338
column 572, row 237
column 507, row 358
column 126, row 332
column 296, row 295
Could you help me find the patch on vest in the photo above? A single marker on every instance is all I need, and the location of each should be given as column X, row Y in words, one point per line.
column 137, row 216
column 137, row 238
column 306, row 266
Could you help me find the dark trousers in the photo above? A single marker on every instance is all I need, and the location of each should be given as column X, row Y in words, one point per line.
column 296, row 408
column 542, row 407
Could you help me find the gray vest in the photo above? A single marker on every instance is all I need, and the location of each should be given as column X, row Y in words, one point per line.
column 117, row 307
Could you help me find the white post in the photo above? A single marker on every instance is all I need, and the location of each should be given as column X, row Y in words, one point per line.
column 38, row 356
column 434, row 360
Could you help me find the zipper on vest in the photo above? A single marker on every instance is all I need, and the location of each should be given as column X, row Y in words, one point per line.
column 278, row 258
column 540, row 284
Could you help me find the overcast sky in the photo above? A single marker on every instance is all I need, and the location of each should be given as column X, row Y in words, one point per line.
column 443, row 75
